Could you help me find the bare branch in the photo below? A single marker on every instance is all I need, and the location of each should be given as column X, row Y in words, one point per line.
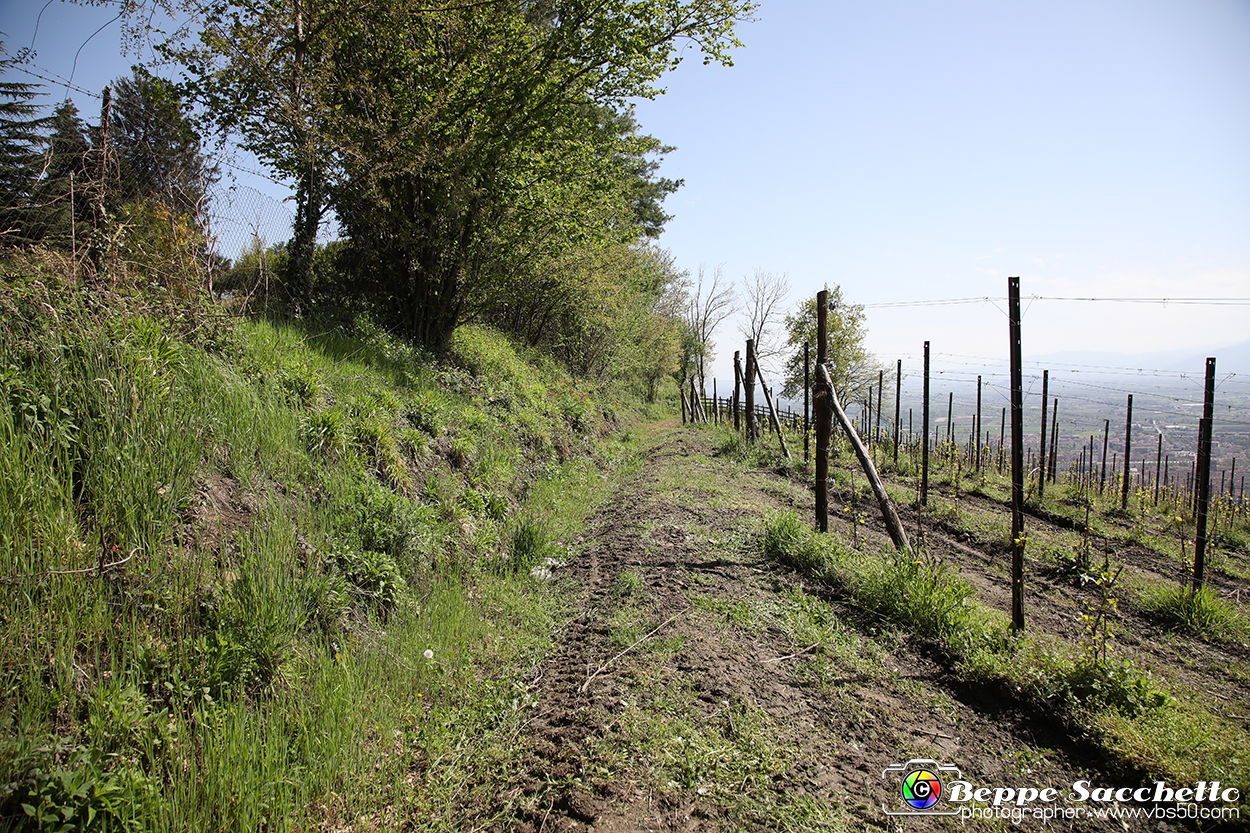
column 764, row 297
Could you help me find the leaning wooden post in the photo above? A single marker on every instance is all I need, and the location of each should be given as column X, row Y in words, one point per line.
column 773, row 412
column 924, row 435
column 807, row 396
column 681, row 390
column 752, row 428
column 822, row 413
column 1017, row 457
column 1128, row 445
column 1204, row 474
column 737, row 389
column 892, row 524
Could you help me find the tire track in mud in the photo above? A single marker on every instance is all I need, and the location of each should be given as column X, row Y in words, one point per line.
column 718, row 644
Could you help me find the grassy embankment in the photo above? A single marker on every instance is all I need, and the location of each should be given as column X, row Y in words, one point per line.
column 265, row 576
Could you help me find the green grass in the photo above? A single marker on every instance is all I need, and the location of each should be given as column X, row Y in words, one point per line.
column 1200, row 612
column 1113, row 701
column 284, row 543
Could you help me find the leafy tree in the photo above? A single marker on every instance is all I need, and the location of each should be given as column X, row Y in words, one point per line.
column 260, row 69
column 155, row 146
column 21, row 163
column 456, row 140
column 852, row 368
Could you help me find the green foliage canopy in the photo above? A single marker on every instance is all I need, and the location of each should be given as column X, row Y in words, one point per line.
column 459, row 143
column 852, row 368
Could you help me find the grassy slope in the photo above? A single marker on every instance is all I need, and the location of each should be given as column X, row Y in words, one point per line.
column 316, row 598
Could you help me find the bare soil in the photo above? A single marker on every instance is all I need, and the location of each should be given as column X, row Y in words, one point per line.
column 683, row 695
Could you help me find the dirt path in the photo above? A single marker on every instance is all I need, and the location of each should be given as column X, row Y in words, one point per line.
column 700, row 688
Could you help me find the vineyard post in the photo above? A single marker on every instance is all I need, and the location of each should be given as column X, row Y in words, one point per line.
column 950, row 408
column 877, row 430
column 978, row 443
column 1191, row 477
column 1017, row 457
column 1089, row 472
column 1204, row 473
column 682, row 392
column 1054, row 438
column 737, row 389
column 1041, row 451
column 1106, row 434
column 715, row 403
column 752, row 428
column 807, row 395
column 1232, row 478
column 898, row 397
column 1002, row 436
column 924, row 435
column 821, row 413
column 1158, row 467
column 1128, row 445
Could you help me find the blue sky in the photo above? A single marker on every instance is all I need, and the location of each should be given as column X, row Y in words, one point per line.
column 920, row 150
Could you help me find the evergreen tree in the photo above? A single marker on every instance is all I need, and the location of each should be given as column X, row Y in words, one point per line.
column 20, row 161
column 157, row 150
column 64, row 192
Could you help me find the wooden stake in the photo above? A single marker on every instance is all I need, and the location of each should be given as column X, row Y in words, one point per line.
column 1041, row 451
column 1106, row 433
column 737, row 388
column 807, row 395
column 822, row 413
column 898, row 398
column 977, row 450
column 892, row 524
column 753, row 431
column 924, row 435
column 1128, row 445
column 1204, row 474
column 1017, row 457
column 877, row 430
